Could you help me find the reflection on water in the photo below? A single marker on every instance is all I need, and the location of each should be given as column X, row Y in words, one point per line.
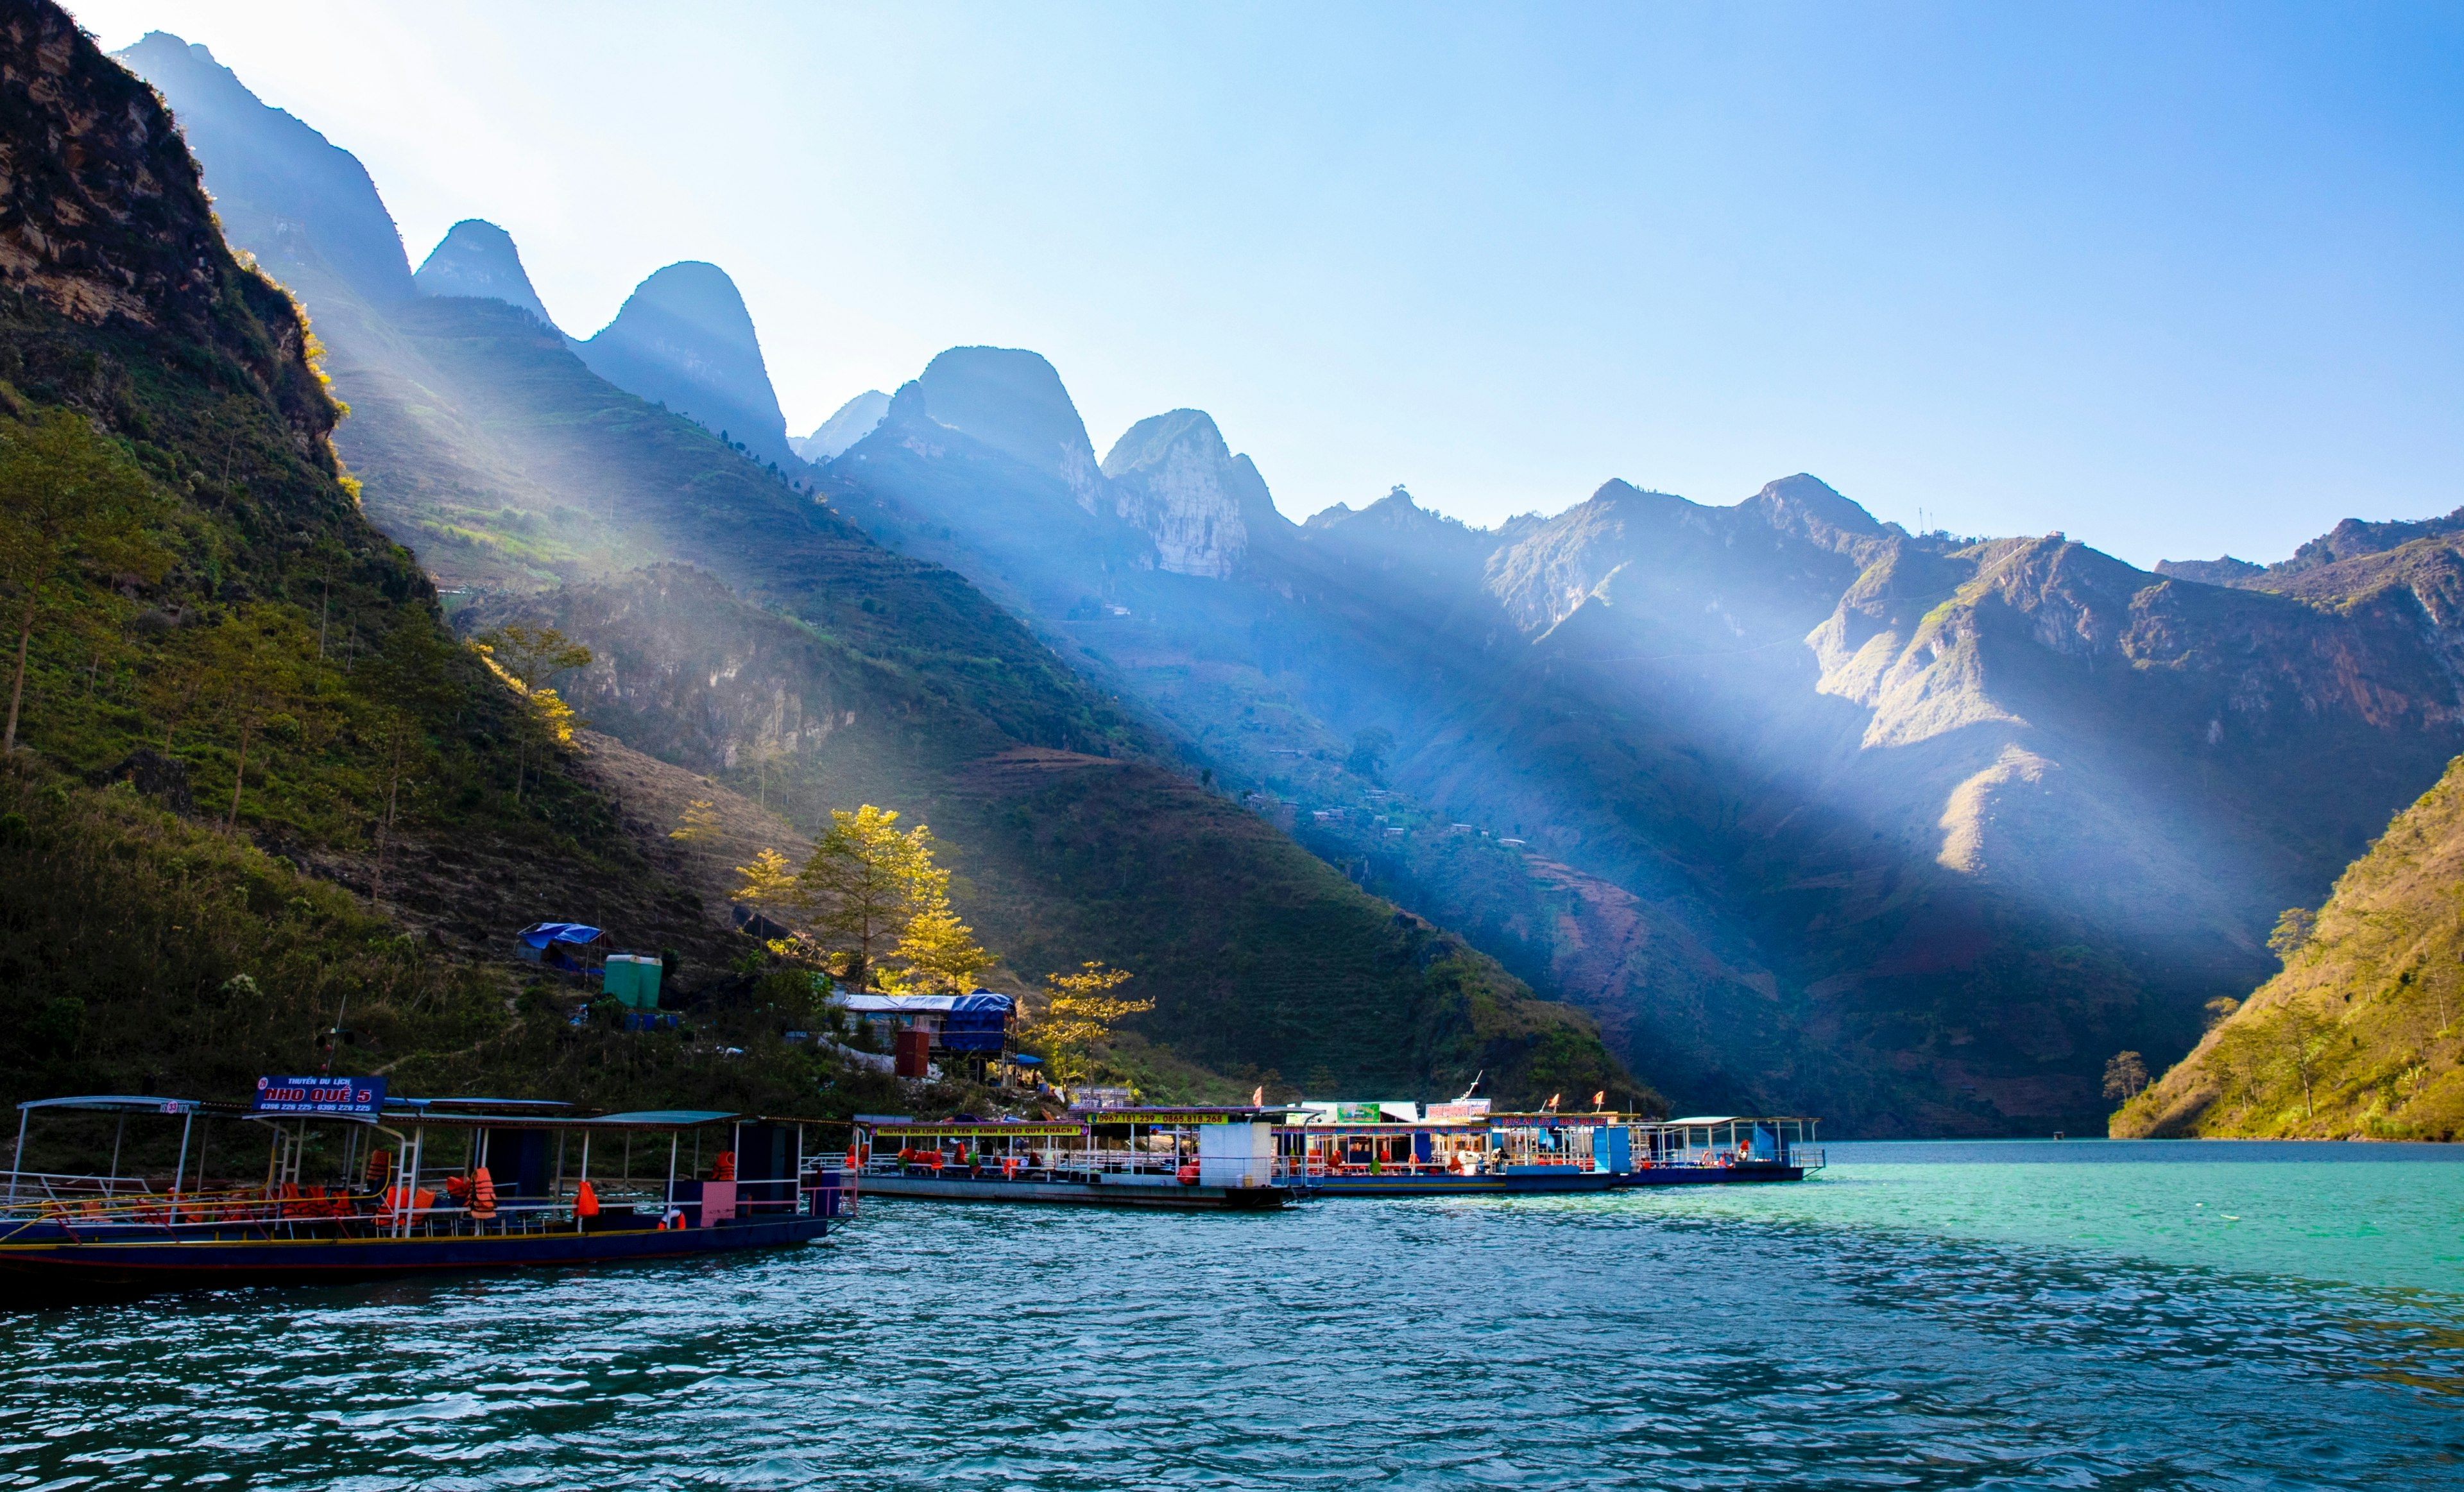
column 1901, row 1323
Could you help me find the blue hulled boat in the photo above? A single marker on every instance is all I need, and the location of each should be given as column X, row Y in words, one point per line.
column 359, row 1185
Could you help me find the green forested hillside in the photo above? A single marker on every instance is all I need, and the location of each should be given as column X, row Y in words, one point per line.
column 1262, row 958
column 157, row 931
column 2359, row 1037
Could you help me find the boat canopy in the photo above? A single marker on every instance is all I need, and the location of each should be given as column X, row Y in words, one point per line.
column 423, row 1104
column 134, row 1104
column 528, row 1118
column 1700, row 1119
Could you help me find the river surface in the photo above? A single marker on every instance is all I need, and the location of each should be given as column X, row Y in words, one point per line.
column 2090, row 1314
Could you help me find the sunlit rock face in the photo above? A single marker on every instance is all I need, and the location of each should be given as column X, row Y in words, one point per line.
column 684, row 339
column 478, row 259
column 1175, row 479
column 1013, row 402
column 282, row 191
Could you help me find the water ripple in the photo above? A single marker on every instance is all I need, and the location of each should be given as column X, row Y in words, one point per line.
column 1604, row 1344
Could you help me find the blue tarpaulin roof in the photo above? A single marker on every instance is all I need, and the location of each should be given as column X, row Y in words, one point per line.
column 540, row 934
column 979, row 1001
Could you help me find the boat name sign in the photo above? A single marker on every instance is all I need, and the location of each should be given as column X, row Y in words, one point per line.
column 318, row 1096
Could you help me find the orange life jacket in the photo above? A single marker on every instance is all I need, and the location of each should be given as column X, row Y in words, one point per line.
column 585, row 1201
column 483, row 1194
column 379, row 1166
column 723, row 1168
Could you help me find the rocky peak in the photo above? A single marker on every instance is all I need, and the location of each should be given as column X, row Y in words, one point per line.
column 854, row 420
column 1012, row 401
column 2356, row 537
column 685, row 340
column 285, row 191
column 2224, row 571
column 478, row 259
column 1175, row 481
column 1807, row 508
column 103, row 214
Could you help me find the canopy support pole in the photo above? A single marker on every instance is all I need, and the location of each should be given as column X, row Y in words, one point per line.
column 17, row 1156
column 117, row 1135
column 410, row 1184
column 673, row 1142
column 180, row 1173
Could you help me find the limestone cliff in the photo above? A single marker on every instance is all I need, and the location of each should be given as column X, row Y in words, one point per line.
column 1175, row 480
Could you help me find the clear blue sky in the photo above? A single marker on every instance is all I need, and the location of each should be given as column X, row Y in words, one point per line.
column 2176, row 280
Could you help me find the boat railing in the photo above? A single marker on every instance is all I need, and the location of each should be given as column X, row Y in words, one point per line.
column 287, row 1209
column 1807, row 1156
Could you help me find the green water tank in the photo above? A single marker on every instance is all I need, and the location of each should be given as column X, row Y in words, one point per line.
column 632, row 980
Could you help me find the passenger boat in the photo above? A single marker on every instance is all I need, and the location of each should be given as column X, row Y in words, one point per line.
column 1464, row 1150
column 1444, row 1149
column 356, row 1185
column 1722, row 1149
column 1182, row 1159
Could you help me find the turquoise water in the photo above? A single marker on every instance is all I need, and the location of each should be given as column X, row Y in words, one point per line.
column 2090, row 1315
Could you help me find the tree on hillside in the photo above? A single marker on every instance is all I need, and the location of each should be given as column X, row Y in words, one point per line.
column 1080, row 1012
column 255, row 667
column 527, row 657
column 2125, row 1076
column 407, row 682
column 867, row 887
column 865, row 883
column 2300, row 1036
column 699, row 824
column 939, row 954
column 2293, row 933
column 70, row 502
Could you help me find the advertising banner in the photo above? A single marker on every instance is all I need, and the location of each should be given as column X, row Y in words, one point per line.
column 362, row 1097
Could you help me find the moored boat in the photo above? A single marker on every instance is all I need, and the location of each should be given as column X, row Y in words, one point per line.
column 1442, row 1149
column 1464, row 1150
column 357, row 1186
column 1717, row 1149
column 1180, row 1159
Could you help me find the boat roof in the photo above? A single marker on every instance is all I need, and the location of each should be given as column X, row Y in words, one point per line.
column 509, row 1113
column 1195, row 1114
column 1702, row 1119
column 133, row 1104
column 954, row 1129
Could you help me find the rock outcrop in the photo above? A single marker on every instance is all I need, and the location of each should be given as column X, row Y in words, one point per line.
column 853, row 421
column 478, row 259
column 1013, row 402
column 684, row 339
column 287, row 192
column 1175, row 480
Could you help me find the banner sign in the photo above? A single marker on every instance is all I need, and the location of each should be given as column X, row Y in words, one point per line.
column 1360, row 1113
column 1467, row 1108
column 977, row 1132
column 363, row 1097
